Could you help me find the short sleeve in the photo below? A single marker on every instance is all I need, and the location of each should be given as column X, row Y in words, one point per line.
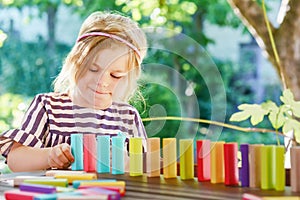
column 32, row 130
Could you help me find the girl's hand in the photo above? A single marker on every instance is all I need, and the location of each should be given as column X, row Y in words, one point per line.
column 60, row 156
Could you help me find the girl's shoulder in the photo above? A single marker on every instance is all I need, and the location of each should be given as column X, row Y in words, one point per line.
column 53, row 97
column 123, row 108
column 122, row 105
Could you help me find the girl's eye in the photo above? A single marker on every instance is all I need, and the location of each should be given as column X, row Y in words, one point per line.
column 116, row 77
column 93, row 70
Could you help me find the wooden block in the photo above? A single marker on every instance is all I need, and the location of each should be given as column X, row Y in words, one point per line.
column 153, row 157
column 255, row 165
column 244, row 176
column 186, row 149
column 169, row 158
column 118, row 166
column 77, row 151
column 135, row 157
column 267, row 158
column 89, row 152
column 217, row 162
column 103, row 154
column 295, row 166
column 231, row 164
column 203, row 160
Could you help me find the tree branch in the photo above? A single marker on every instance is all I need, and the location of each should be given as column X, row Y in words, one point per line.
column 252, row 16
column 230, row 126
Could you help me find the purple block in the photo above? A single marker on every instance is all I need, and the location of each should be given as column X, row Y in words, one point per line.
column 244, row 173
column 46, row 189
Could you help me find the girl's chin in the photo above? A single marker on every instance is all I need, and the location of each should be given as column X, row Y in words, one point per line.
column 101, row 107
column 103, row 104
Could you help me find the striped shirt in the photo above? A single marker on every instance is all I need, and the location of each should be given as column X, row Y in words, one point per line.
column 51, row 118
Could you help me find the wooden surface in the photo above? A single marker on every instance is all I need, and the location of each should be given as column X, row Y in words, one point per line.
column 142, row 187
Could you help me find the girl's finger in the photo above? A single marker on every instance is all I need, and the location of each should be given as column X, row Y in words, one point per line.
column 58, row 157
column 66, row 149
column 51, row 160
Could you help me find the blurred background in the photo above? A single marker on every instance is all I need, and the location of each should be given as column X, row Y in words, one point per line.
column 36, row 35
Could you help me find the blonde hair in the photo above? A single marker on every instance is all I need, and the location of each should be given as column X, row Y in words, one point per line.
column 85, row 51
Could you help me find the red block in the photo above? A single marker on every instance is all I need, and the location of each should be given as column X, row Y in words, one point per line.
column 89, row 152
column 203, row 160
column 231, row 163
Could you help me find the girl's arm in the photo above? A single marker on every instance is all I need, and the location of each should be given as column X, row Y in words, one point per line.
column 25, row 158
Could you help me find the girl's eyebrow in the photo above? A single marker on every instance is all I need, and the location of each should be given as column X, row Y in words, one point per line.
column 96, row 65
column 115, row 71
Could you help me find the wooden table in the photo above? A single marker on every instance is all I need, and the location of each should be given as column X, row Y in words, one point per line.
column 142, row 187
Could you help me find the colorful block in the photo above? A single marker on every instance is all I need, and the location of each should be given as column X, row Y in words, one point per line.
column 217, row 162
column 203, row 160
column 103, row 154
column 153, row 157
column 169, row 158
column 186, row 149
column 135, row 157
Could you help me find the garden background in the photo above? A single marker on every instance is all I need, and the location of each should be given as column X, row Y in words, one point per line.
column 36, row 35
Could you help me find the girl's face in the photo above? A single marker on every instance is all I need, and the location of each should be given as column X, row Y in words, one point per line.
column 96, row 87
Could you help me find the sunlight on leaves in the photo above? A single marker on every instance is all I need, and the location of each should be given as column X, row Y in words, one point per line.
column 253, row 111
column 3, row 37
column 280, row 117
column 288, row 99
column 292, row 125
column 136, row 14
column 7, row 2
column 189, row 7
column 277, row 114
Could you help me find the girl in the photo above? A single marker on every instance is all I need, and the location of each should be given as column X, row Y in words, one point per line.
column 90, row 96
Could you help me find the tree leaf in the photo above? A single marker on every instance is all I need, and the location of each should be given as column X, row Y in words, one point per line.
column 292, row 125
column 276, row 116
column 296, row 108
column 257, row 117
column 277, row 119
column 270, row 105
column 287, row 97
column 239, row 116
column 288, row 100
column 254, row 111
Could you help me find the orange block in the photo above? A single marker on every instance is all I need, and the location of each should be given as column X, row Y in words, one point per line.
column 217, row 162
column 153, row 157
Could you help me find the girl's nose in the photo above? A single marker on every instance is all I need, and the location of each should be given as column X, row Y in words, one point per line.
column 103, row 80
column 104, row 84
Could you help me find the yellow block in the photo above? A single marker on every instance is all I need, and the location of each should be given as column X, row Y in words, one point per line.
column 73, row 177
column 135, row 157
column 186, row 149
column 169, row 158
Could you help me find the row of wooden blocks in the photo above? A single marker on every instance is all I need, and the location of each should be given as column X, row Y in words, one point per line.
column 217, row 162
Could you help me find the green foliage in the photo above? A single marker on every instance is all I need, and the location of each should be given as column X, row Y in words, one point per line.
column 283, row 116
column 164, row 104
column 12, row 108
column 30, row 74
column 3, row 37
